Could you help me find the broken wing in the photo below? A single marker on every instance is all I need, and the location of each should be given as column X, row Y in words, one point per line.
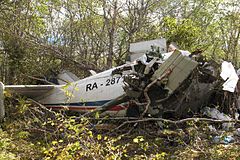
column 31, row 91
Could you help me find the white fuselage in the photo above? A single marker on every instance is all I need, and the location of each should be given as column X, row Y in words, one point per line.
column 86, row 94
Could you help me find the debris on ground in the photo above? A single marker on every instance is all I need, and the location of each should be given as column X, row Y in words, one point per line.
column 216, row 114
column 224, row 139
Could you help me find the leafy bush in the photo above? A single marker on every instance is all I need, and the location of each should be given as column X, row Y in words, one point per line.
column 34, row 132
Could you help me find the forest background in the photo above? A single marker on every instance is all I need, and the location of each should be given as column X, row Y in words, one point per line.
column 43, row 37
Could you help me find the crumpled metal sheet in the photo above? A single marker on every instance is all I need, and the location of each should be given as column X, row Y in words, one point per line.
column 230, row 76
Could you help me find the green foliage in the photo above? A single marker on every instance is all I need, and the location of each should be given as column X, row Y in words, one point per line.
column 38, row 133
column 184, row 32
column 39, row 37
column 5, row 144
column 14, row 147
column 78, row 141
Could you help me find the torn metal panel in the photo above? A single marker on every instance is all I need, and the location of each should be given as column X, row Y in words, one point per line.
column 181, row 67
column 150, row 65
column 230, row 76
column 140, row 48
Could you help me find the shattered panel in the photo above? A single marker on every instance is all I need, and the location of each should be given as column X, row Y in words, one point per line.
column 181, row 67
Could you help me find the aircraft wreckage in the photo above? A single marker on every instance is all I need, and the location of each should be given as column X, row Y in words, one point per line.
column 174, row 84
